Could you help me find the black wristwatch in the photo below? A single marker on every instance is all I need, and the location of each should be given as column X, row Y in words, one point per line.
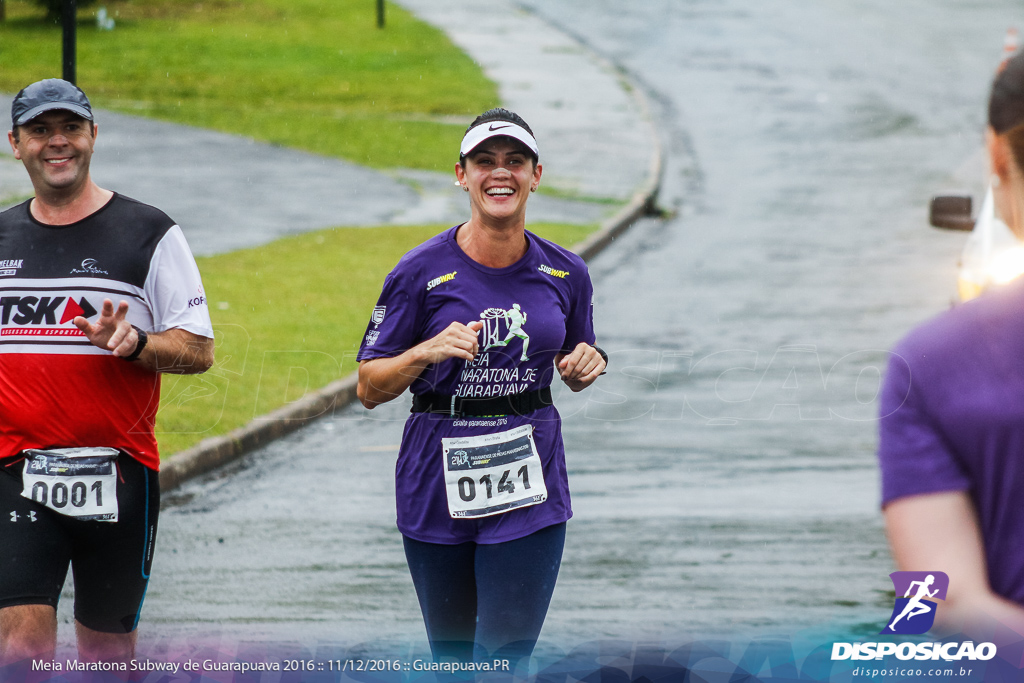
column 604, row 356
column 141, row 344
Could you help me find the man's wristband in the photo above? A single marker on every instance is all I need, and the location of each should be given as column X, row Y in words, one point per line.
column 604, row 356
column 141, row 344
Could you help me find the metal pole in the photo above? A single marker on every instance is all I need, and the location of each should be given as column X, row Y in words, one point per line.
column 380, row 13
column 68, row 17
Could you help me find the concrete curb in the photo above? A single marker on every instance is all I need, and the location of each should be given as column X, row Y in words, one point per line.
column 217, row 451
column 209, row 454
column 643, row 202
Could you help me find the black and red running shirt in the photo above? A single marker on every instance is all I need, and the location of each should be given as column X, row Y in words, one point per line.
column 56, row 388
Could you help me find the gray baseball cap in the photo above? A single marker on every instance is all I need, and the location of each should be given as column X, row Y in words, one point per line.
column 47, row 95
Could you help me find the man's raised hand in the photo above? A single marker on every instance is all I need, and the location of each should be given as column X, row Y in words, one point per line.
column 111, row 331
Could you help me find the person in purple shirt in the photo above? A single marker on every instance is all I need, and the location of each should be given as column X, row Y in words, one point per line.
column 951, row 442
column 475, row 322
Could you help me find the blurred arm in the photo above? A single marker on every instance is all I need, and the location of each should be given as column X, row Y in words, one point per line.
column 939, row 532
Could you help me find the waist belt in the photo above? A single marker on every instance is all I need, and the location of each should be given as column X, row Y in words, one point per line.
column 458, row 406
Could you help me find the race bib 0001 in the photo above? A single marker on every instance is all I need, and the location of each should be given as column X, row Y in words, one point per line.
column 76, row 482
column 492, row 473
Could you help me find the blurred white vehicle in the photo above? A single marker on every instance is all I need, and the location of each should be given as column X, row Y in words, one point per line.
column 992, row 256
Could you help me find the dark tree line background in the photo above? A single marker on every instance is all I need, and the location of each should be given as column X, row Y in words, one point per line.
column 53, row 8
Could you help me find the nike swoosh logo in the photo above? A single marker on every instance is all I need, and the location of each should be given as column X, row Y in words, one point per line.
column 492, row 128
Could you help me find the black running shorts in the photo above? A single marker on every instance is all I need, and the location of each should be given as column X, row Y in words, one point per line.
column 110, row 560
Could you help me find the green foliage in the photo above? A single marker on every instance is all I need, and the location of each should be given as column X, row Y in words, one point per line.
column 288, row 318
column 303, row 73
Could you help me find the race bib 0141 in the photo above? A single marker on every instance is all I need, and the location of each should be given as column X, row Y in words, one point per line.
column 76, row 482
column 492, row 473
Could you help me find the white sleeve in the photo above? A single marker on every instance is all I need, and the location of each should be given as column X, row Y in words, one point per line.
column 174, row 289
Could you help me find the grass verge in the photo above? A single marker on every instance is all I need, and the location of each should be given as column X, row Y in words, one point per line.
column 309, row 74
column 7, row 201
column 288, row 318
column 562, row 193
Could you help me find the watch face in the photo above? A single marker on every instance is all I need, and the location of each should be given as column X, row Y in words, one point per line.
column 139, row 345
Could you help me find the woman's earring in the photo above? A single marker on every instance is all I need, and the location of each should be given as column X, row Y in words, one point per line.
column 533, row 189
column 465, row 188
column 995, row 180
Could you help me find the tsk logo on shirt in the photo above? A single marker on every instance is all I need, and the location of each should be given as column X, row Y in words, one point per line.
column 914, row 613
column 10, row 266
column 378, row 314
column 33, row 310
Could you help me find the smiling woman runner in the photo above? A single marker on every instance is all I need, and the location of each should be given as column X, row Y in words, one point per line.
column 474, row 322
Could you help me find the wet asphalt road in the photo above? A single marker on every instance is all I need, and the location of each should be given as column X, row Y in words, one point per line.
column 723, row 474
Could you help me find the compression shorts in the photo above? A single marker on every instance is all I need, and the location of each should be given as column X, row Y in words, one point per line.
column 111, row 560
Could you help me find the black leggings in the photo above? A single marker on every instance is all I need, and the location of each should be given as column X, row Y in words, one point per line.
column 494, row 596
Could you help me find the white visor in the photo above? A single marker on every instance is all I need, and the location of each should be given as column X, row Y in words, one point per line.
column 492, row 129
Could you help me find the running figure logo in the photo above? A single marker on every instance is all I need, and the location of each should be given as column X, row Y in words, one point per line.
column 914, row 613
column 515, row 318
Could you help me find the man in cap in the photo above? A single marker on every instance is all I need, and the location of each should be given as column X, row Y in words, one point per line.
column 79, row 383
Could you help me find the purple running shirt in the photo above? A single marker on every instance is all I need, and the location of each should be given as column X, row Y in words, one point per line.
column 953, row 420
column 532, row 310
